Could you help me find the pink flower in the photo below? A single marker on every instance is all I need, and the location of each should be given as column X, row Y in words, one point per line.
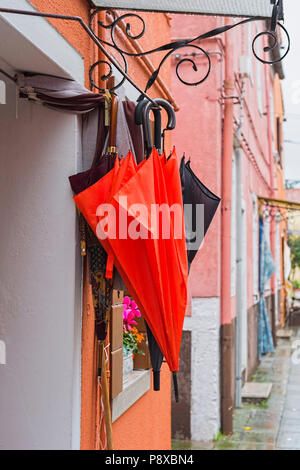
column 135, row 308
column 130, row 312
column 128, row 319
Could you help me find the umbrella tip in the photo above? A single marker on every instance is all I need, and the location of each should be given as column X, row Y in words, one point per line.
column 156, row 380
column 175, row 384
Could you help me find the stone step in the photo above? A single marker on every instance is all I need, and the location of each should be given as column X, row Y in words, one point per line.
column 256, row 391
column 285, row 334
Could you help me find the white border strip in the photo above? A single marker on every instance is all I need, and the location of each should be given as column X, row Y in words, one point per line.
column 247, row 8
column 46, row 39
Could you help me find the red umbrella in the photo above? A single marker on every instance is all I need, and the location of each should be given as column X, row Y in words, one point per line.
column 160, row 180
column 154, row 269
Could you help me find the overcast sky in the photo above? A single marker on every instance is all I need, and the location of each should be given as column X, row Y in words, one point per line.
column 291, row 87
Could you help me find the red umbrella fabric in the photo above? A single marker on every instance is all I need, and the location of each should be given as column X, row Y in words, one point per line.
column 121, row 175
column 154, row 268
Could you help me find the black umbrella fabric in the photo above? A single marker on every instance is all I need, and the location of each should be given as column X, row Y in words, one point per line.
column 195, row 193
column 156, row 357
column 81, row 181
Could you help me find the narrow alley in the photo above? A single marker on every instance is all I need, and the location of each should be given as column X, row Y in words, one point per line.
column 273, row 424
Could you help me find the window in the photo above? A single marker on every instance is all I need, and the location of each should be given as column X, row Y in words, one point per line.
column 129, row 378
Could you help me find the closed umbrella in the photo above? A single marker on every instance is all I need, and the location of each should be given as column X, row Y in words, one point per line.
column 149, row 187
column 170, row 254
column 171, row 174
column 150, row 267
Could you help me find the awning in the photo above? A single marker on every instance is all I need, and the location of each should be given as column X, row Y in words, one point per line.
column 242, row 8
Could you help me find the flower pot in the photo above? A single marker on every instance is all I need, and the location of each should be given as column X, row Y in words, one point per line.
column 127, row 365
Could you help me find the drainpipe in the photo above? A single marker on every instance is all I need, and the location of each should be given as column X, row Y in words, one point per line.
column 226, row 325
column 239, row 255
column 272, row 195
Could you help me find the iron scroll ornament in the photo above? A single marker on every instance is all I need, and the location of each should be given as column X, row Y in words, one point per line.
column 172, row 47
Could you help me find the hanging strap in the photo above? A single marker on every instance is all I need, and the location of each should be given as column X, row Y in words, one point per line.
column 110, row 265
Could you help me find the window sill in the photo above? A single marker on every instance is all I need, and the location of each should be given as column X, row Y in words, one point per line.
column 135, row 387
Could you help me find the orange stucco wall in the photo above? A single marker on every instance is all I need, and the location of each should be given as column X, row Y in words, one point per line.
column 147, row 424
column 72, row 31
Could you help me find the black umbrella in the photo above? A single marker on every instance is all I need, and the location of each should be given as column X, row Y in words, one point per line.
column 194, row 193
column 156, row 357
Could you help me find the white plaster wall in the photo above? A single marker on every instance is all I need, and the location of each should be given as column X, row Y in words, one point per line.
column 39, row 280
column 205, row 401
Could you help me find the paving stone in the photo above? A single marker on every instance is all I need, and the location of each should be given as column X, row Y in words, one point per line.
column 290, row 427
column 251, row 446
column 291, row 415
column 192, row 445
column 279, row 388
column 226, row 445
column 258, row 421
column 288, row 441
column 292, row 403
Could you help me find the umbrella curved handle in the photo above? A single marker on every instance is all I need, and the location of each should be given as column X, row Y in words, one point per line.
column 138, row 115
column 170, row 111
column 142, row 116
column 147, row 127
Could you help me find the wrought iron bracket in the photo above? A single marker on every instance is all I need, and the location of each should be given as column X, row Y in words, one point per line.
column 125, row 20
column 169, row 48
column 90, row 33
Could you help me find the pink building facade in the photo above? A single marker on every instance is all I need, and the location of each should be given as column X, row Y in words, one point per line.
column 199, row 134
